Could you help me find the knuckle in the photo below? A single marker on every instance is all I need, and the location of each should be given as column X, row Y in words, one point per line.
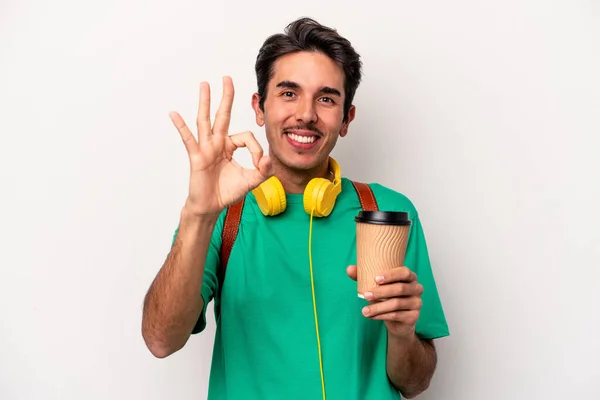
column 398, row 303
column 414, row 317
column 419, row 303
column 401, row 289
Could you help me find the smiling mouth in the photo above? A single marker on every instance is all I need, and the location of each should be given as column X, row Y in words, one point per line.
column 301, row 138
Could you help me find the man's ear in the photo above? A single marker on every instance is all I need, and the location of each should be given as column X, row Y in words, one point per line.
column 260, row 117
column 346, row 124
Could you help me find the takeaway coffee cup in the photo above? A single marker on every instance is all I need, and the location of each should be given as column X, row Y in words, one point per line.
column 381, row 239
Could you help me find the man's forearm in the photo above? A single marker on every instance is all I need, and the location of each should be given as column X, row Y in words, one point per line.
column 410, row 364
column 174, row 300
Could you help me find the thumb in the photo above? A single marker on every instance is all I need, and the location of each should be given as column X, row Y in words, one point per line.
column 263, row 171
column 351, row 271
column 265, row 166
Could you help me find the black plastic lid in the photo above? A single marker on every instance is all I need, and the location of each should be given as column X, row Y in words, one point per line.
column 383, row 217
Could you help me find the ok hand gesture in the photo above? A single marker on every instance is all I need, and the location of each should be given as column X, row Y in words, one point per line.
column 216, row 180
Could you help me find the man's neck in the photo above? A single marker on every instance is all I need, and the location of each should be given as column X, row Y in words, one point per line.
column 295, row 181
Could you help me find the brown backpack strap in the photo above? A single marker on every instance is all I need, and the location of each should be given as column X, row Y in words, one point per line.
column 233, row 216
column 366, row 196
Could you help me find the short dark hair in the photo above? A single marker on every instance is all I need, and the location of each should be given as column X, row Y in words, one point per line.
column 305, row 34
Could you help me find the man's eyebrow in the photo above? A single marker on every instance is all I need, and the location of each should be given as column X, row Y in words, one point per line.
column 330, row 90
column 322, row 89
column 288, row 84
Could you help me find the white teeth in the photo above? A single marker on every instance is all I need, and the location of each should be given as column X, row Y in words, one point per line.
column 302, row 139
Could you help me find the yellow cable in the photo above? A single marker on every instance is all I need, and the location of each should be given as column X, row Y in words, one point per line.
column 312, row 282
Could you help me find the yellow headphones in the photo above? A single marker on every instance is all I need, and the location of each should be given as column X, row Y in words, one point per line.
column 319, row 195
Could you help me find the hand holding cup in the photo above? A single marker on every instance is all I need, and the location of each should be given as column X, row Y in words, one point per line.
column 391, row 288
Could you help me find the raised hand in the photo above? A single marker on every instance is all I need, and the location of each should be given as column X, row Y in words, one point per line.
column 216, row 180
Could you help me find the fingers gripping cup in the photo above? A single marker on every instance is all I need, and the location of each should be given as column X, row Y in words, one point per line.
column 381, row 239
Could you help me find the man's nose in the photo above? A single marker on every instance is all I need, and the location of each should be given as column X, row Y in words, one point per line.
column 306, row 111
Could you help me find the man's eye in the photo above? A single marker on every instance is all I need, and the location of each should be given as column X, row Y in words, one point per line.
column 288, row 94
column 327, row 99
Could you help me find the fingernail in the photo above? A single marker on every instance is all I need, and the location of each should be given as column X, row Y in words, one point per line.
column 365, row 310
column 368, row 295
column 379, row 279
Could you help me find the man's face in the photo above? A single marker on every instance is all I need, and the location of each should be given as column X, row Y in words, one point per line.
column 304, row 110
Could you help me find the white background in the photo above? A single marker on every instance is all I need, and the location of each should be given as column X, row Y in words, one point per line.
column 486, row 114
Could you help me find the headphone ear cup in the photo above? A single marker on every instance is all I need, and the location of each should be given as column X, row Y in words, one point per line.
column 319, row 197
column 270, row 197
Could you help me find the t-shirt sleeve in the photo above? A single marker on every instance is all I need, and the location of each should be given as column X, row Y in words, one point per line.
column 210, row 282
column 432, row 321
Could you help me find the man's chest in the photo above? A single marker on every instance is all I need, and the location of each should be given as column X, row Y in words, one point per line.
column 274, row 267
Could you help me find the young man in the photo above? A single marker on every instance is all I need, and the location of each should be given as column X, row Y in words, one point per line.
column 289, row 322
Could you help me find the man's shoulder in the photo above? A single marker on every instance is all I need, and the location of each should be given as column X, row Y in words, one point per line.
column 389, row 199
